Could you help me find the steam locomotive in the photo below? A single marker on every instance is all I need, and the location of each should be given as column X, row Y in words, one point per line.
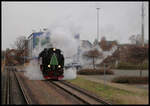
column 52, row 65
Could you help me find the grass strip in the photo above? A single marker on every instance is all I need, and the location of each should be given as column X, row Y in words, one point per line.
column 114, row 95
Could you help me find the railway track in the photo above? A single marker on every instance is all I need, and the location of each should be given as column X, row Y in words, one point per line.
column 9, row 94
column 78, row 93
column 8, row 87
column 74, row 93
column 22, row 89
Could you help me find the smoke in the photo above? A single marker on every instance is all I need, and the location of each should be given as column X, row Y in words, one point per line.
column 32, row 71
column 61, row 37
column 105, row 54
column 70, row 74
column 87, row 62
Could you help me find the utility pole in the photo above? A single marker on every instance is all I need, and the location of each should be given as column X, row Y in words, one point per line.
column 25, row 49
column 24, row 56
column 4, row 59
column 97, row 24
column 104, row 74
column 142, row 24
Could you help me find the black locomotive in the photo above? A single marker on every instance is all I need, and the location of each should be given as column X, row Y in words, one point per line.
column 52, row 66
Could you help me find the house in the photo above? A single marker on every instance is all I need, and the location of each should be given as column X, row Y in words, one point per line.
column 85, row 44
column 107, row 45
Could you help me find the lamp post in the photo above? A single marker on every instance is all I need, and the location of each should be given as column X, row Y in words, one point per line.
column 104, row 74
column 142, row 24
column 97, row 24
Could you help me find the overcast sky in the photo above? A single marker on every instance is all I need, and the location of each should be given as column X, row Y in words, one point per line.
column 118, row 20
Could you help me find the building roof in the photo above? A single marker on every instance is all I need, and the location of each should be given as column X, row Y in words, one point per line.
column 86, row 43
column 35, row 34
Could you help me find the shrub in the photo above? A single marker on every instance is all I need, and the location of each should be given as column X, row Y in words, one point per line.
column 145, row 64
column 130, row 80
column 94, row 72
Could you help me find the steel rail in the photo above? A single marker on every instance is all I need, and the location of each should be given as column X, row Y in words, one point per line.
column 95, row 98
column 70, row 93
column 8, row 87
column 22, row 89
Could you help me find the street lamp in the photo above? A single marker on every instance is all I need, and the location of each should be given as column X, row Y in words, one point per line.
column 142, row 24
column 97, row 24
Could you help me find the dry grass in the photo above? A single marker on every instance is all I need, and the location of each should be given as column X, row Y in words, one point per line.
column 129, row 99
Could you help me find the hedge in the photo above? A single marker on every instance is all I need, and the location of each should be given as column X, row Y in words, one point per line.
column 95, row 71
column 124, row 65
column 131, row 79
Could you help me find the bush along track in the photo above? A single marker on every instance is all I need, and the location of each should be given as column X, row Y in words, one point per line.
column 95, row 71
column 130, row 80
column 131, row 66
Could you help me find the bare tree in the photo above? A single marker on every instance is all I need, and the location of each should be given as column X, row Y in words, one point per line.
column 103, row 38
column 95, row 42
column 3, row 54
column 93, row 54
column 132, row 39
column 135, row 39
column 137, row 54
column 103, row 43
column 139, row 39
column 20, row 45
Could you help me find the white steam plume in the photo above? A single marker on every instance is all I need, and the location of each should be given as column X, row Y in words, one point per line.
column 32, row 71
column 61, row 38
column 87, row 62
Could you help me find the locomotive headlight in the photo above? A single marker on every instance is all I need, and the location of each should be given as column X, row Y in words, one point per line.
column 49, row 66
column 59, row 66
column 54, row 49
